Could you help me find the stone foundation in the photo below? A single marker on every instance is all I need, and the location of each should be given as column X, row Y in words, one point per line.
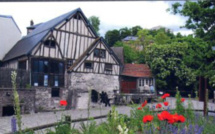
column 45, row 101
column 81, row 83
column 26, row 98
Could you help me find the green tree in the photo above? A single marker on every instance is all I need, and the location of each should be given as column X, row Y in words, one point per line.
column 135, row 29
column 95, row 22
column 161, row 38
column 130, row 54
column 124, row 32
column 201, row 19
column 166, row 62
column 112, row 37
column 144, row 37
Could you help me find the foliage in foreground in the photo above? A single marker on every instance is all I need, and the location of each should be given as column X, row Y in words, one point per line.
column 155, row 119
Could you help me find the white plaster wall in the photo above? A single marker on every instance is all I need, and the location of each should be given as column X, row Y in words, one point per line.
column 9, row 35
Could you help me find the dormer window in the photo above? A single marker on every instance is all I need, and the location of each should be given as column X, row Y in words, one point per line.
column 100, row 53
column 50, row 43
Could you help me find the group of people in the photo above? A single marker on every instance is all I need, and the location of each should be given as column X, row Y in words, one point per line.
column 105, row 99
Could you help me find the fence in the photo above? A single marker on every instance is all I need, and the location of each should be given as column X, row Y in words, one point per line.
column 22, row 80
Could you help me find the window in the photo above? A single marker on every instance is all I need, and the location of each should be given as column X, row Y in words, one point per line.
column 22, row 65
column 69, row 63
column 47, row 72
column 100, row 53
column 55, row 92
column 108, row 67
column 50, row 43
column 88, row 65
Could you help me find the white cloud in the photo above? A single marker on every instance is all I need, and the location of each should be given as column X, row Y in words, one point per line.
column 113, row 15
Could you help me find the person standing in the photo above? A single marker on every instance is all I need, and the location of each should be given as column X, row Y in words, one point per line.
column 152, row 89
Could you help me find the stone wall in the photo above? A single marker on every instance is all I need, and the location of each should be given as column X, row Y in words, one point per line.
column 45, row 101
column 81, row 83
column 26, row 97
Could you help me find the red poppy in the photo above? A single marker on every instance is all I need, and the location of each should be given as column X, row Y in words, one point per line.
column 139, row 108
column 160, row 117
column 181, row 118
column 158, row 105
column 165, row 95
column 63, row 103
column 166, row 103
column 144, row 104
column 182, row 99
column 147, row 118
column 163, row 115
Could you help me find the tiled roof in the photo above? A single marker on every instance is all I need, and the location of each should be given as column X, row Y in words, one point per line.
column 119, row 53
column 137, row 70
column 130, row 38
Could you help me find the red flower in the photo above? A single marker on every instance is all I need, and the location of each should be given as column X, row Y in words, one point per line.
column 147, row 118
column 63, row 103
column 181, row 118
column 165, row 95
column 160, row 117
column 171, row 118
column 158, row 105
column 166, row 103
column 164, row 115
column 139, row 108
column 182, row 99
column 144, row 104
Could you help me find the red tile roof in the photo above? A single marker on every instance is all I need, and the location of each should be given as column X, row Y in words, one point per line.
column 136, row 70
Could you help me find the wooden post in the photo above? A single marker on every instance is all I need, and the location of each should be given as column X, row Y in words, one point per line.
column 206, row 102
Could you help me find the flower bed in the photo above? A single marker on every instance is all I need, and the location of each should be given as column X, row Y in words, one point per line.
column 145, row 119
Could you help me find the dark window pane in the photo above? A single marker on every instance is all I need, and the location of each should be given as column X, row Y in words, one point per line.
column 56, row 81
column 61, row 68
column 35, row 79
column 22, row 65
column 46, row 78
column 88, row 65
column 40, row 66
column 102, row 53
column 96, row 52
column 50, row 43
column 55, row 92
column 46, row 66
column 35, row 66
column 108, row 67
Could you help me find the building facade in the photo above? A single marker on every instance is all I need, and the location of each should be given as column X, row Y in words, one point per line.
column 66, row 59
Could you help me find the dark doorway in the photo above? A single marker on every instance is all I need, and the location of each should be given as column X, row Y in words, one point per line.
column 8, row 111
column 94, row 96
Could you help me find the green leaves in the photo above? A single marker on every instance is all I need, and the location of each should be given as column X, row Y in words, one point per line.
column 166, row 62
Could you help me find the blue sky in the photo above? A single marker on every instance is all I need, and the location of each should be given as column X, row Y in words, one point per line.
column 113, row 15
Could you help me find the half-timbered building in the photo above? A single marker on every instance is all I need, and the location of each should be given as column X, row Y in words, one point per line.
column 66, row 59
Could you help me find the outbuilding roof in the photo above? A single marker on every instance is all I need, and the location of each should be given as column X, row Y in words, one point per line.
column 136, row 70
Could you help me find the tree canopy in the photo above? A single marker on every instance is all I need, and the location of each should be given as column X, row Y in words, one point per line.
column 95, row 22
